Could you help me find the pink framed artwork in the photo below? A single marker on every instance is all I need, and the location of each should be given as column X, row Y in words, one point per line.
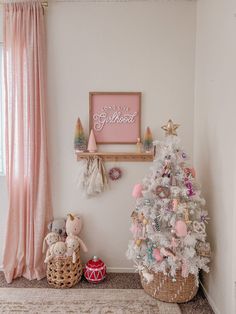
column 115, row 117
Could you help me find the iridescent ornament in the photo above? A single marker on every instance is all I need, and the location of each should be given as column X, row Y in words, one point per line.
column 148, row 202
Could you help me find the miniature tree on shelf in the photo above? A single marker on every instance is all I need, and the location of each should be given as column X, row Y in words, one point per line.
column 148, row 140
column 169, row 222
column 80, row 143
column 92, row 145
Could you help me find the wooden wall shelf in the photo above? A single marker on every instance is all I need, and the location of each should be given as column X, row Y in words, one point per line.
column 117, row 156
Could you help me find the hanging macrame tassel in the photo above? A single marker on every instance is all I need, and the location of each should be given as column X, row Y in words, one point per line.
column 92, row 177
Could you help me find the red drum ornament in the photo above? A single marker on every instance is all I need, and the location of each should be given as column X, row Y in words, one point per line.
column 95, row 270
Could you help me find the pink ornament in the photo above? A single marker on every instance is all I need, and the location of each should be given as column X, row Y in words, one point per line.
column 190, row 171
column 175, row 204
column 136, row 230
column 157, row 255
column 137, row 190
column 180, row 228
column 174, row 243
column 92, row 146
column 168, row 252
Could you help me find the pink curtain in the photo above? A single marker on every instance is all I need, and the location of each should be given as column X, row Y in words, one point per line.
column 26, row 147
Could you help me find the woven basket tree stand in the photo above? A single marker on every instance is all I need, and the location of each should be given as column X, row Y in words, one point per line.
column 164, row 289
column 63, row 273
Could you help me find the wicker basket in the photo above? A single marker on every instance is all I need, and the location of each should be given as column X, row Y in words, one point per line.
column 164, row 289
column 63, row 273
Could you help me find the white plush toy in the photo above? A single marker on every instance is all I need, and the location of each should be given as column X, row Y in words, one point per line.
column 72, row 244
column 51, row 238
column 58, row 249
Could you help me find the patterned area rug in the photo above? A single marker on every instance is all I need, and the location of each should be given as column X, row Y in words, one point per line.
column 94, row 301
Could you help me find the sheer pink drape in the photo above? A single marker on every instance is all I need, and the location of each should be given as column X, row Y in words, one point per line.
column 26, row 147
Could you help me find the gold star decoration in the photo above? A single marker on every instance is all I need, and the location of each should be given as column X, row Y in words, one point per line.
column 170, row 128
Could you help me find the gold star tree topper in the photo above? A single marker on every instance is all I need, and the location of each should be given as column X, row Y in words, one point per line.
column 170, row 128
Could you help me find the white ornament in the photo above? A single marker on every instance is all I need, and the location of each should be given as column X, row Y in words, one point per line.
column 199, row 227
column 147, row 276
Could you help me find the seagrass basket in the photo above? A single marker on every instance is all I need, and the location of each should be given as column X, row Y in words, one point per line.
column 63, row 273
column 164, row 289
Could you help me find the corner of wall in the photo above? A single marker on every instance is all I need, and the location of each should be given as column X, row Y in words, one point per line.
column 195, row 85
column 210, row 300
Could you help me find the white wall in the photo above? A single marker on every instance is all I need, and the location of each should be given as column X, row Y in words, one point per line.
column 214, row 140
column 124, row 46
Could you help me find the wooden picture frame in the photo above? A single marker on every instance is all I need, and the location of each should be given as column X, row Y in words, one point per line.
column 115, row 117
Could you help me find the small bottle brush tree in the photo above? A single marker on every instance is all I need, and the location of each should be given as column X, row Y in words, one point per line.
column 80, row 143
column 92, row 145
column 169, row 222
column 148, row 140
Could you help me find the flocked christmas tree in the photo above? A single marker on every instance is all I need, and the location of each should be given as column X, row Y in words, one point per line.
column 169, row 221
column 80, row 143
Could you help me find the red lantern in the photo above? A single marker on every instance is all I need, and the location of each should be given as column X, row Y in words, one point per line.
column 95, row 270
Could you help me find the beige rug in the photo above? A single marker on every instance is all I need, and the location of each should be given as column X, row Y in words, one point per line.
column 94, row 301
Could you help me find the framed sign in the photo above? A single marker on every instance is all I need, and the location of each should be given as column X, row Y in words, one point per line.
column 115, row 117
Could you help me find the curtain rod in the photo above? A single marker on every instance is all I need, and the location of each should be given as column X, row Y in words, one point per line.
column 44, row 3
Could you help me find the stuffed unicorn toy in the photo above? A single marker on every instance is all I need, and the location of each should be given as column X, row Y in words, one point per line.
column 73, row 228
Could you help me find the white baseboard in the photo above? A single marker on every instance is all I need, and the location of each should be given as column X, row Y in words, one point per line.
column 119, row 270
column 109, row 269
column 209, row 299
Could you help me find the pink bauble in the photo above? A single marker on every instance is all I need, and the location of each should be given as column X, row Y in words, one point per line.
column 157, row 255
column 175, row 204
column 181, row 228
column 137, row 190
